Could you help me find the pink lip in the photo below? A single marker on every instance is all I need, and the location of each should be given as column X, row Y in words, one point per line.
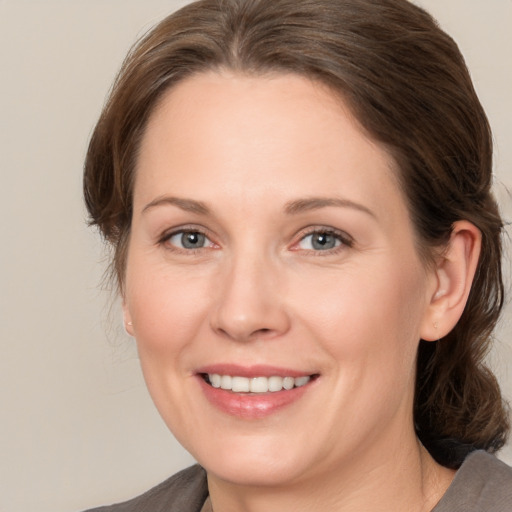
column 246, row 405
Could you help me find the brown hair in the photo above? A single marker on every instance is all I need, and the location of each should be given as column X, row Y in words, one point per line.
column 408, row 85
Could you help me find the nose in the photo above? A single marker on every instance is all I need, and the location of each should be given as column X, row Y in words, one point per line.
column 249, row 301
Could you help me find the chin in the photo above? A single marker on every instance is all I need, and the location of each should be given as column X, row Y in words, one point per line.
column 254, row 472
column 259, row 461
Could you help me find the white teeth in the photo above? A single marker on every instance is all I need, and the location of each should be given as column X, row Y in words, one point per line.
column 225, row 382
column 275, row 383
column 256, row 384
column 240, row 385
column 259, row 385
column 289, row 382
column 215, row 380
column 301, row 381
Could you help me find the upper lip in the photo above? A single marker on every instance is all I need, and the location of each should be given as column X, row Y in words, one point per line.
column 259, row 370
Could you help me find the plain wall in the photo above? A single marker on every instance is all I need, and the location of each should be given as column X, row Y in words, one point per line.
column 77, row 426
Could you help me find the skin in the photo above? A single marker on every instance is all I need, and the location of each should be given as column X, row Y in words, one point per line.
column 249, row 150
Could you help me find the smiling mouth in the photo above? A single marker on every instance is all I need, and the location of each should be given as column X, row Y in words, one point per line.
column 255, row 385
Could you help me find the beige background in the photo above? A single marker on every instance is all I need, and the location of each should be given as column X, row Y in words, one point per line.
column 77, row 428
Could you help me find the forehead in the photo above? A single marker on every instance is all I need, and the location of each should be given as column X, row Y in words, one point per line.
column 272, row 135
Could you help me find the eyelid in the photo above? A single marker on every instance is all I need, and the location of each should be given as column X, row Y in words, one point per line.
column 346, row 240
column 188, row 228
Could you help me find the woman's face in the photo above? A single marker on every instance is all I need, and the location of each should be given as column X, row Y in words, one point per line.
column 272, row 254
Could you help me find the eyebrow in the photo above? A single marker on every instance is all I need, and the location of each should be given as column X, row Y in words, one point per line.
column 315, row 203
column 291, row 208
column 189, row 205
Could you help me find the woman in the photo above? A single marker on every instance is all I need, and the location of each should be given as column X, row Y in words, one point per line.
column 308, row 254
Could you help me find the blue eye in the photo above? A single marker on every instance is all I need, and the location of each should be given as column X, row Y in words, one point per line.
column 320, row 241
column 189, row 240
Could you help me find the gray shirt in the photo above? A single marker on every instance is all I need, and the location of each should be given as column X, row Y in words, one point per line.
column 482, row 484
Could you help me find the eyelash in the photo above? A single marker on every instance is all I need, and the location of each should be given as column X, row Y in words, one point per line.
column 166, row 237
column 345, row 240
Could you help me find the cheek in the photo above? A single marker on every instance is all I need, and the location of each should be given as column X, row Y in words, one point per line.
column 167, row 309
column 370, row 312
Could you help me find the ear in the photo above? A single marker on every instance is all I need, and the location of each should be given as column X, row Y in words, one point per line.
column 127, row 320
column 453, row 277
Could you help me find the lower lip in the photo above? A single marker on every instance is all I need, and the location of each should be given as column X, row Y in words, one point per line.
column 251, row 406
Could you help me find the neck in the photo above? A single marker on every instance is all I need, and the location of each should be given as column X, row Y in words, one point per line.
column 403, row 478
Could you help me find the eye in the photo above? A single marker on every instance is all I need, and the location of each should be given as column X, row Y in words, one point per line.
column 189, row 240
column 323, row 240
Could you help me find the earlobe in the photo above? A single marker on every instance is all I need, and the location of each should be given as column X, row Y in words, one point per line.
column 454, row 273
column 127, row 320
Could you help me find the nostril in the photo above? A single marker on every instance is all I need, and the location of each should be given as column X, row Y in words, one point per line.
column 264, row 332
column 244, row 320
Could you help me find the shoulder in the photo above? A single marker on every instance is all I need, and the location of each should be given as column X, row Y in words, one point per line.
column 482, row 484
column 183, row 492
